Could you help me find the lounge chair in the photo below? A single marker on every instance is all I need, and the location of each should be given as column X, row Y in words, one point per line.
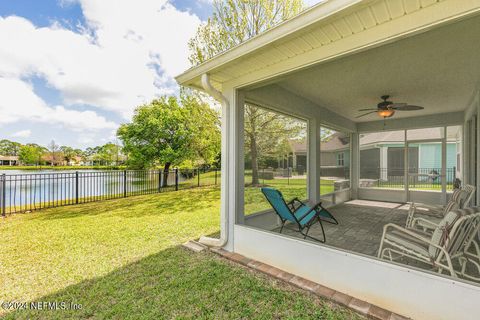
column 416, row 217
column 298, row 212
column 450, row 247
column 426, row 217
column 462, row 196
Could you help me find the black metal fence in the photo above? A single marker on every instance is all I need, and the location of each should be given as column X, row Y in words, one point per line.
column 421, row 178
column 34, row 191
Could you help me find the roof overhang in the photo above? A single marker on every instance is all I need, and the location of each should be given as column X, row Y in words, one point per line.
column 327, row 31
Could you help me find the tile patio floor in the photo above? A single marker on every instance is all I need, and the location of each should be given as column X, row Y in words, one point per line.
column 360, row 228
column 360, row 225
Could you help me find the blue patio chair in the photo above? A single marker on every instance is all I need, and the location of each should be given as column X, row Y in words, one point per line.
column 298, row 212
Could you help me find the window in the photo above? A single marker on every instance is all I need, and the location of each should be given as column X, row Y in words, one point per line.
column 340, row 161
column 334, row 162
column 275, row 156
column 382, row 160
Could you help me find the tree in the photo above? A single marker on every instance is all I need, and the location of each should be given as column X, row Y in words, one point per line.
column 108, row 153
column 68, row 153
column 168, row 131
column 205, row 125
column 232, row 23
column 53, row 148
column 31, row 154
column 9, row 148
column 267, row 133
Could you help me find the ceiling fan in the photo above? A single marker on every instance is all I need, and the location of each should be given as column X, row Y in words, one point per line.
column 386, row 109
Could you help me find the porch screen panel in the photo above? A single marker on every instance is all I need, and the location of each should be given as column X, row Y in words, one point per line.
column 275, row 156
column 382, row 160
column 454, row 137
column 334, row 162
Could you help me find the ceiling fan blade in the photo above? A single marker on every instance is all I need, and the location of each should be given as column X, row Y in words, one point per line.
column 395, row 106
column 369, row 109
column 366, row 114
column 408, row 107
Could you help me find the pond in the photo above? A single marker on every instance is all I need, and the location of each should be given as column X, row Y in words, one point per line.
column 24, row 190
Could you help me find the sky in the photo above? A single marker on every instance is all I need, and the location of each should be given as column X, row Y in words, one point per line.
column 74, row 70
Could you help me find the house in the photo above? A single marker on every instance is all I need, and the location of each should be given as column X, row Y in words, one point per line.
column 9, row 161
column 76, row 161
column 322, row 67
column 385, row 153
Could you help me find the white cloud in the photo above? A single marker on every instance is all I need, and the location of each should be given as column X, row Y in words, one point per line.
column 136, row 50
column 18, row 102
column 22, row 134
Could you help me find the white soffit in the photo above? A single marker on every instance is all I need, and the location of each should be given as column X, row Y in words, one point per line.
column 324, row 32
column 439, row 70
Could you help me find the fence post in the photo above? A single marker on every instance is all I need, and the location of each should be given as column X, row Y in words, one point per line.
column 124, row 183
column 176, row 179
column 159, row 180
column 215, row 176
column 4, row 195
column 198, row 176
column 76, row 187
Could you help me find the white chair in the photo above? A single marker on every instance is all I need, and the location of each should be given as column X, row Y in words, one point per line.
column 451, row 246
column 462, row 196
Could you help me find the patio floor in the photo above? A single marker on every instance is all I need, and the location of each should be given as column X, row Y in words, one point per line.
column 360, row 225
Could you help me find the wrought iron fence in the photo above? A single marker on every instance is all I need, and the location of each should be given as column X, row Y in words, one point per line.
column 34, row 191
column 418, row 178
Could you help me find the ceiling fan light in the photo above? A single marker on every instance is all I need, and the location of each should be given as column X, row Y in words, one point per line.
column 387, row 113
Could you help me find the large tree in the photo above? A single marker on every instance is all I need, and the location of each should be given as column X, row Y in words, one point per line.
column 169, row 131
column 235, row 21
column 31, row 154
column 267, row 134
column 232, row 23
column 9, row 148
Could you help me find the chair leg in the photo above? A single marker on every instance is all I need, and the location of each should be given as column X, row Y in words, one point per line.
column 283, row 225
column 323, row 231
column 331, row 217
column 305, row 235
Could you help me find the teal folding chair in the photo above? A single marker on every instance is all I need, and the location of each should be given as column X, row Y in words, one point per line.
column 298, row 212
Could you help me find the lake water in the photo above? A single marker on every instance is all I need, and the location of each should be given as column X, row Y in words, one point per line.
column 25, row 190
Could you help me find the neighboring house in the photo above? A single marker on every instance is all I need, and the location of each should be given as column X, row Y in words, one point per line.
column 9, row 161
column 54, row 160
column 323, row 66
column 76, row 161
column 382, row 154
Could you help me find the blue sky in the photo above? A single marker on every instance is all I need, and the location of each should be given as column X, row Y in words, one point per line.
column 73, row 70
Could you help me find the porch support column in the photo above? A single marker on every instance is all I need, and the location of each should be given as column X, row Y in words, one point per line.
column 313, row 160
column 354, row 165
column 232, row 188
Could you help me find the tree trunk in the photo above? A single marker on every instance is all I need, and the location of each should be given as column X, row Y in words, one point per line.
column 166, row 171
column 253, row 154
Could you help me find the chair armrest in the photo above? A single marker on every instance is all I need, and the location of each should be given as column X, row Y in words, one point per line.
column 429, row 210
column 402, row 229
column 413, row 234
column 428, row 222
column 292, row 203
column 429, row 207
column 296, row 200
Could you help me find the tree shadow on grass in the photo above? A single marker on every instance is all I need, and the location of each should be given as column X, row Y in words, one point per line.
column 175, row 283
column 137, row 206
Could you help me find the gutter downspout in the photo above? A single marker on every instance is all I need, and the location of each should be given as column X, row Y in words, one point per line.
column 217, row 95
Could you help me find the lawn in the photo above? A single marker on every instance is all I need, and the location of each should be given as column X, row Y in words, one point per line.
column 121, row 259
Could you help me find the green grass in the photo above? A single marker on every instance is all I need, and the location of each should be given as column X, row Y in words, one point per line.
column 290, row 188
column 121, row 259
column 34, row 168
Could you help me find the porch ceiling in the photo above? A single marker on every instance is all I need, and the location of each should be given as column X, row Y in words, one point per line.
column 439, row 70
